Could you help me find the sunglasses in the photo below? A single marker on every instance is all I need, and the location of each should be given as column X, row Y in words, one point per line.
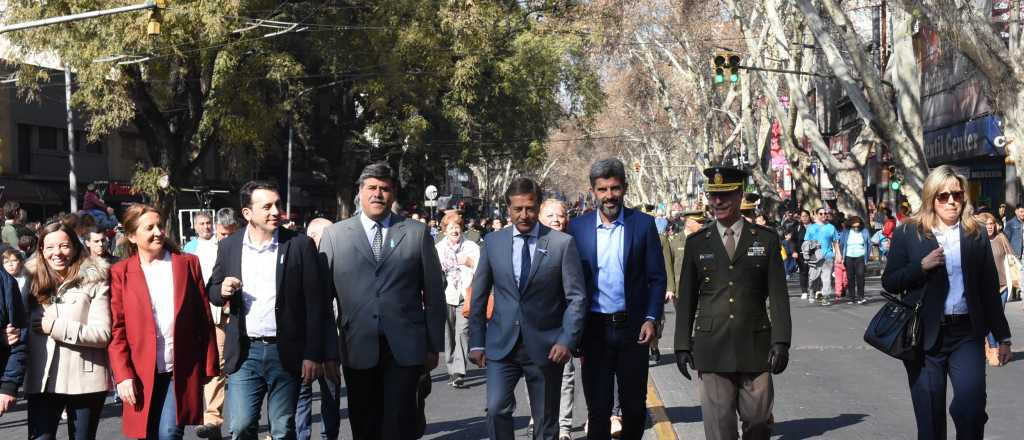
column 943, row 197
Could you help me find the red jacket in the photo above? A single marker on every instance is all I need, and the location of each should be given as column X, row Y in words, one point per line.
column 133, row 339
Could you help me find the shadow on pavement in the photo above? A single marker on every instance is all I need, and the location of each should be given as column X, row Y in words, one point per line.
column 469, row 428
column 811, row 428
column 684, row 414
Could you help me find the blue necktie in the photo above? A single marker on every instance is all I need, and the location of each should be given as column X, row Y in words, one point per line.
column 524, row 267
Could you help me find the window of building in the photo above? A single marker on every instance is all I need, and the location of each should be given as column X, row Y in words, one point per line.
column 48, row 138
column 25, row 133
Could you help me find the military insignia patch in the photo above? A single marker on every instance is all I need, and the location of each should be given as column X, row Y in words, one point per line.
column 718, row 178
column 707, row 257
column 756, row 251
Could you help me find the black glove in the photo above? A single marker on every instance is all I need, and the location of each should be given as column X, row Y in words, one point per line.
column 684, row 359
column 778, row 358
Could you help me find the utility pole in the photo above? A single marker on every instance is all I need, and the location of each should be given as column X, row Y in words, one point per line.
column 288, row 190
column 72, row 180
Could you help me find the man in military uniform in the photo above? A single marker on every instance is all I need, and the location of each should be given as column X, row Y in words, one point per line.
column 724, row 329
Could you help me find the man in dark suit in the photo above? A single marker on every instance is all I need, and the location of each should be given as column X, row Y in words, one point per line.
column 723, row 328
column 625, row 278
column 539, row 305
column 388, row 281
column 269, row 279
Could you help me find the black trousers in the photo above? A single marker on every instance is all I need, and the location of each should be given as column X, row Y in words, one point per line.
column 611, row 356
column 855, row 274
column 382, row 400
column 959, row 357
column 44, row 410
column 805, row 273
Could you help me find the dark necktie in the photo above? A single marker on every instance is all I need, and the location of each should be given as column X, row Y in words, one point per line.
column 378, row 241
column 524, row 267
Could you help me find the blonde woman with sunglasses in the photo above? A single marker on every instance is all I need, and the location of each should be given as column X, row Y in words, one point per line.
column 942, row 257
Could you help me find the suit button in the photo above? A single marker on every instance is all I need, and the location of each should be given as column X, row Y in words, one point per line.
column 731, row 317
column 730, row 283
column 517, row 322
column 374, row 316
column 732, row 300
column 730, row 267
column 707, row 279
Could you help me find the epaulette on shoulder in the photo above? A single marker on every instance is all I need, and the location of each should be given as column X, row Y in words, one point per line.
column 705, row 231
column 765, row 228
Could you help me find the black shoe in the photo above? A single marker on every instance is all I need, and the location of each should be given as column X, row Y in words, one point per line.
column 209, row 431
column 655, row 355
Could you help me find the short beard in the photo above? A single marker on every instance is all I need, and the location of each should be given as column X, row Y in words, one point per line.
column 611, row 213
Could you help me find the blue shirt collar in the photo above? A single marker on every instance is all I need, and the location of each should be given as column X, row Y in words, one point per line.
column 618, row 220
column 534, row 233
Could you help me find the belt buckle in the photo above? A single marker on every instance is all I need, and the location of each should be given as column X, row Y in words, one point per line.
column 619, row 317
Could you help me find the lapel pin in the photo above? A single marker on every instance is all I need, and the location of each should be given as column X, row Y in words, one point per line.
column 543, row 251
column 392, row 242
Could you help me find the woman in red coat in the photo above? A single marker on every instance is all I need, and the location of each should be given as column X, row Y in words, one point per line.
column 162, row 348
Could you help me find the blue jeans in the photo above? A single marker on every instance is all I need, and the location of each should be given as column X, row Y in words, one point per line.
column 44, row 410
column 162, row 423
column 262, row 374
column 992, row 339
column 330, row 407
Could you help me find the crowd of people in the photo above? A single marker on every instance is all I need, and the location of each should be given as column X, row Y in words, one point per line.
column 250, row 310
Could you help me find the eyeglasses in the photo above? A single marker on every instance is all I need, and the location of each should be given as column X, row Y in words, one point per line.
column 943, row 197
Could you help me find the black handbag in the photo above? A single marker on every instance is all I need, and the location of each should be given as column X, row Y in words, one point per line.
column 896, row 329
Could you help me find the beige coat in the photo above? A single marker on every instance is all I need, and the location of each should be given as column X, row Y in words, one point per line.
column 73, row 359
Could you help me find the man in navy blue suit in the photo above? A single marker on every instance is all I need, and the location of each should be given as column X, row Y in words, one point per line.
column 625, row 278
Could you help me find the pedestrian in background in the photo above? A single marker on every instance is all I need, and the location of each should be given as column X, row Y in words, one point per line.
column 162, row 348
column 14, row 265
column 941, row 257
column 69, row 306
column 626, row 283
column 855, row 248
column 799, row 232
column 827, row 237
column 270, row 278
column 553, row 215
column 459, row 258
column 214, row 392
column 13, row 320
column 1000, row 250
column 330, row 381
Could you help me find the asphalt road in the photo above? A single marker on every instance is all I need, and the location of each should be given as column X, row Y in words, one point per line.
column 836, row 387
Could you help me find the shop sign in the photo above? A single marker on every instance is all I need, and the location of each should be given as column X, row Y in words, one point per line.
column 976, row 138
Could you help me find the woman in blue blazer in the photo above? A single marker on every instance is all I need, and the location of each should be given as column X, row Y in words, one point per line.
column 942, row 257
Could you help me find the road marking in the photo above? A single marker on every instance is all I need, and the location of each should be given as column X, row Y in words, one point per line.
column 659, row 418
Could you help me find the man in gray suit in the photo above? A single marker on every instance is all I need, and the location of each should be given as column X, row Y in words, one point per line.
column 387, row 277
column 539, row 307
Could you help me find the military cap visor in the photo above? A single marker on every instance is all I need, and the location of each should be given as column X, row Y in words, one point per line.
column 724, row 179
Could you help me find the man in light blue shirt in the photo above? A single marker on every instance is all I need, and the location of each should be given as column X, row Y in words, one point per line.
column 611, row 287
column 825, row 234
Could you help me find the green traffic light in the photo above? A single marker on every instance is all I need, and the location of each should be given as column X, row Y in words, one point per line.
column 719, row 79
column 734, row 77
column 895, row 185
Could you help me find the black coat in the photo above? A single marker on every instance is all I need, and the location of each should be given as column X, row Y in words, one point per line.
column 300, row 301
column 904, row 275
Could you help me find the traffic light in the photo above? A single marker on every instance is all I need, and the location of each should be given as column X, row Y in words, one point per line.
column 894, row 179
column 155, row 18
column 726, row 61
column 719, row 68
column 734, row 68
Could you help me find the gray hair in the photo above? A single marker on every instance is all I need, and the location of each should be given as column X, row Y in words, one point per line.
column 199, row 214
column 227, row 218
column 607, row 169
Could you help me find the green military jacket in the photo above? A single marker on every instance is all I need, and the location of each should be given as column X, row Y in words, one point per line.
column 678, row 244
column 722, row 317
column 669, row 257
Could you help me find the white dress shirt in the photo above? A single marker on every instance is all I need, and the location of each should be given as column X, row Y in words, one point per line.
column 259, row 286
column 949, row 240
column 206, row 250
column 160, row 283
